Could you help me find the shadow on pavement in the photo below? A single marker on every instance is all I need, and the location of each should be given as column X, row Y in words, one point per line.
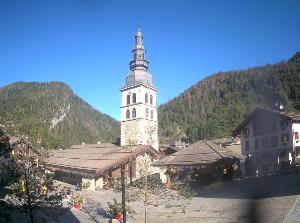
column 252, row 188
column 17, row 214
column 256, row 192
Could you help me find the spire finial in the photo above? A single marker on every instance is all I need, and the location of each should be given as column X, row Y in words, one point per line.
column 139, row 60
column 139, row 25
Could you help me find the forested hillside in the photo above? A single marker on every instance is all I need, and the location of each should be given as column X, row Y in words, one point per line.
column 213, row 107
column 52, row 115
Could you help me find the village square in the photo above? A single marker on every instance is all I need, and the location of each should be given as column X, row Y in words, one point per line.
column 251, row 177
column 202, row 127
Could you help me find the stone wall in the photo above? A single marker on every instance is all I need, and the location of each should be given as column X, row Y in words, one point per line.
column 139, row 131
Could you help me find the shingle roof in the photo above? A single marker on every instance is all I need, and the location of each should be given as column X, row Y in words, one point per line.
column 94, row 159
column 292, row 115
column 200, row 153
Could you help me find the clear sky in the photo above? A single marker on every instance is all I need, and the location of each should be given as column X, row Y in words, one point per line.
column 87, row 43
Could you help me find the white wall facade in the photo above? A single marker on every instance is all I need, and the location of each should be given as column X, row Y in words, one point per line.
column 143, row 128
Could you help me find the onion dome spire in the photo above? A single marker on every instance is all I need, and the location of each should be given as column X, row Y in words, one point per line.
column 139, row 53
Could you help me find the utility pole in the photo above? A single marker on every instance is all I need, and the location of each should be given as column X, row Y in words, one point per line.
column 123, row 192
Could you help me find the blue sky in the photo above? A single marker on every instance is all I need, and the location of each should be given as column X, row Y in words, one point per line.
column 87, row 44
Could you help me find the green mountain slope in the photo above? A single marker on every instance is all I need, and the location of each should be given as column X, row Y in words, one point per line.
column 51, row 114
column 213, row 107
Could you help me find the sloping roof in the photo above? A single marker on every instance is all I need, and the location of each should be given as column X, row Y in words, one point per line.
column 200, row 153
column 236, row 149
column 94, row 159
column 295, row 117
column 292, row 115
column 230, row 144
column 164, row 148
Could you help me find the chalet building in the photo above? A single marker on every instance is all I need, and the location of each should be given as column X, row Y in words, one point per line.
column 96, row 165
column 202, row 157
column 270, row 140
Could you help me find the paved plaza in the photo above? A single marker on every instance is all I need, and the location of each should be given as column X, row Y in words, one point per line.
column 264, row 199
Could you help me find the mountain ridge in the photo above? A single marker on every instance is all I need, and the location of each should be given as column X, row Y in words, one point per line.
column 202, row 111
column 209, row 109
column 55, row 114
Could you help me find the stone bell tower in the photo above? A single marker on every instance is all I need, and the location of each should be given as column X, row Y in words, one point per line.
column 139, row 124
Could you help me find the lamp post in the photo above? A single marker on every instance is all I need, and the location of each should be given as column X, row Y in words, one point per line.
column 123, row 192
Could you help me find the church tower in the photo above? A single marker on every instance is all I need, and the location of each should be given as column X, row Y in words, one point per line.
column 139, row 124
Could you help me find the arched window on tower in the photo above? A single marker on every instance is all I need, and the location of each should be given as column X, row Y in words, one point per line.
column 151, row 114
column 151, row 99
column 146, row 98
column 128, row 99
column 128, row 114
column 134, row 98
column 133, row 113
column 146, row 112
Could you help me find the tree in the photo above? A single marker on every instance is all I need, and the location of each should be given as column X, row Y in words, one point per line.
column 32, row 187
column 4, row 143
column 27, row 166
column 4, row 152
column 152, row 192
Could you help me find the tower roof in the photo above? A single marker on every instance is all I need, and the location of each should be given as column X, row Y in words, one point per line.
column 139, row 32
column 139, row 65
